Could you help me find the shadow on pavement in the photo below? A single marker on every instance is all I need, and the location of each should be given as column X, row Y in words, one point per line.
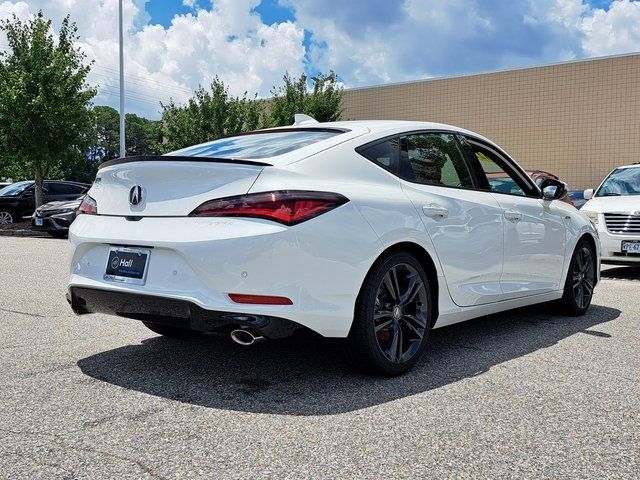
column 305, row 375
column 621, row 273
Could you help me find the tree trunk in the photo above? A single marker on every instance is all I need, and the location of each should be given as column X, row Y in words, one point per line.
column 39, row 182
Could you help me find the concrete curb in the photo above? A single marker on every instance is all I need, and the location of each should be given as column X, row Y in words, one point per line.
column 24, row 233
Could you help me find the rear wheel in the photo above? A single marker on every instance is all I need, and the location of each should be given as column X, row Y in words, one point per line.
column 581, row 279
column 173, row 332
column 6, row 217
column 392, row 317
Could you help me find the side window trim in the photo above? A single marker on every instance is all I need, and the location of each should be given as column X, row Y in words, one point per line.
column 523, row 181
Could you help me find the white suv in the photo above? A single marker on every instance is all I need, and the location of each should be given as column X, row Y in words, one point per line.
column 615, row 210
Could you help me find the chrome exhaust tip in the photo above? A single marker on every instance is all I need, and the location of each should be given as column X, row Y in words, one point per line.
column 245, row 337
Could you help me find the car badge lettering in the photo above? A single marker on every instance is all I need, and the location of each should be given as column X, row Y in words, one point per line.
column 135, row 195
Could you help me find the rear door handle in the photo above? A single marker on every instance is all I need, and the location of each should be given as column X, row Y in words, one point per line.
column 435, row 211
column 512, row 215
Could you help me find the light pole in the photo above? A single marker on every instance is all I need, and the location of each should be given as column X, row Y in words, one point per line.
column 123, row 148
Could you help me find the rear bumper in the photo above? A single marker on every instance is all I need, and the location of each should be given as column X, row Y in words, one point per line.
column 178, row 313
column 319, row 265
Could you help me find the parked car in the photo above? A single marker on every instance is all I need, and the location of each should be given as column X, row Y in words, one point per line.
column 615, row 210
column 577, row 197
column 55, row 218
column 4, row 184
column 372, row 231
column 18, row 200
column 503, row 184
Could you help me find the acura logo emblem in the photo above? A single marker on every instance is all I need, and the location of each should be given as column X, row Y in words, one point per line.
column 135, row 195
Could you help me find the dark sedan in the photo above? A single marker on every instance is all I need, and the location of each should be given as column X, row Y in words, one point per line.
column 18, row 199
column 55, row 218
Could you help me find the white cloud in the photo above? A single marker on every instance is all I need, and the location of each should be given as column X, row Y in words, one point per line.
column 616, row 30
column 228, row 40
column 364, row 41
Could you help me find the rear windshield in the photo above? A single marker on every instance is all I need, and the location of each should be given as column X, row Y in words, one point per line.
column 257, row 145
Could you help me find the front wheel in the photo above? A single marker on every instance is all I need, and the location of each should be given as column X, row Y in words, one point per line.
column 392, row 317
column 581, row 279
column 7, row 217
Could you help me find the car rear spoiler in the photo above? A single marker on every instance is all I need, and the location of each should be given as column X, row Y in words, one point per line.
column 172, row 158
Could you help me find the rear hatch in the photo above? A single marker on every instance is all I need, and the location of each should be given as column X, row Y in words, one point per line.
column 168, row 186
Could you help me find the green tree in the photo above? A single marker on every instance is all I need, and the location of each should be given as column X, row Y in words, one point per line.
column 208, row 115
column 45, row 117
column 324, row 102
column 144, row 136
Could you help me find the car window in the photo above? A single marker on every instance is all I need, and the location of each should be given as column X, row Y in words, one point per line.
column 257, row 145
column 434, row 159
column 384, row 153
column 621, row 182
column 493, row 176
column 65, row 189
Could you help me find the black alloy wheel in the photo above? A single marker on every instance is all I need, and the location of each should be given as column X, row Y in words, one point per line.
column 581, row 280
column 583, row 277
column 393, row 317
column 400, row 313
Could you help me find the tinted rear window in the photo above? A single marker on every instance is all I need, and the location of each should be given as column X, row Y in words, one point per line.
column 257, row 145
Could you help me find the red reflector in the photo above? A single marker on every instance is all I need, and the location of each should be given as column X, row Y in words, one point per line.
column 289, row 207
column 259, row 299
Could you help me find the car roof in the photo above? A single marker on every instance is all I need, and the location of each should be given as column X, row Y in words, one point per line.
column 385, row 126
column 633, row 165
column 364, row 131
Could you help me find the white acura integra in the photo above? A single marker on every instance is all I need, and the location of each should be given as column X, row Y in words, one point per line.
column 374, row 231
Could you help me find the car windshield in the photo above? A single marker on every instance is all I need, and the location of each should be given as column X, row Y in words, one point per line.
column 257, row 145
column 621, row 182
column 15, row 189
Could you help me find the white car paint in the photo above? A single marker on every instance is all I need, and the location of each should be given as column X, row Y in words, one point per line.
column 492, row 252
column 626, row 208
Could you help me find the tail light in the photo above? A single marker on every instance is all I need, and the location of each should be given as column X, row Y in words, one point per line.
column 88, row 206
column 288, row 207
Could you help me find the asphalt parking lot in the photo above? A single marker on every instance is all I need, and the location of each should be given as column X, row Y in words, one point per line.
column 525, row 394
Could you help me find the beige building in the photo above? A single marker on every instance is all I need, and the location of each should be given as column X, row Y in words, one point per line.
column 577, row 119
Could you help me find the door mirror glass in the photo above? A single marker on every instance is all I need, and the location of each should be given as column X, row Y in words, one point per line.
column 588, row 194
column 553, row 189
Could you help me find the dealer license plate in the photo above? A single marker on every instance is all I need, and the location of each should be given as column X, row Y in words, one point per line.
column 127, row 265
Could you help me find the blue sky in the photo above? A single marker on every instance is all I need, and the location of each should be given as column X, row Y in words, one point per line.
column 173, row 46
column 163, row 11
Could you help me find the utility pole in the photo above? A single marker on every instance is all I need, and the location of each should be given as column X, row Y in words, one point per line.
column 123, row 147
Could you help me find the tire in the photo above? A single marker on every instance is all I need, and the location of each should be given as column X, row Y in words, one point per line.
column 7, row 217
column 581, row 279
column 387, row 338
column 173, row 332
column 57, row 234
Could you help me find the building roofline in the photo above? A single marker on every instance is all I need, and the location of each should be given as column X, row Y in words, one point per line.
column 490, row 72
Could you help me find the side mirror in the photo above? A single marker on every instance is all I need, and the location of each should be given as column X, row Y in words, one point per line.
column 553, row 189
column 588, row 194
